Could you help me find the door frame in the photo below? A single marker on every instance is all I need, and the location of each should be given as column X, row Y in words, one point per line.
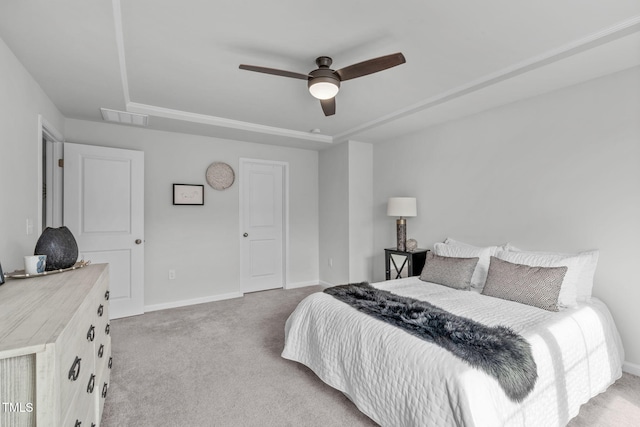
column 243, row 161
column 47, row 131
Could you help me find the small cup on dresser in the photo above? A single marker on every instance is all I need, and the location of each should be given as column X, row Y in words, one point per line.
column 34, row 264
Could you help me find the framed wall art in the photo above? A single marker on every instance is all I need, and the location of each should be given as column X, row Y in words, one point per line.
column 188, row 194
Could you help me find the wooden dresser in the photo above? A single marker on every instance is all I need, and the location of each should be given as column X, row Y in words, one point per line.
column 55, row 349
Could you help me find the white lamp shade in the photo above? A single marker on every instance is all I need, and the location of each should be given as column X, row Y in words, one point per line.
column 323, row 90
column 402, row 206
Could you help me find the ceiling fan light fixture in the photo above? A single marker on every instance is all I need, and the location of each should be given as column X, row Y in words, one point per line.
column 324, row 87
column 324, row 83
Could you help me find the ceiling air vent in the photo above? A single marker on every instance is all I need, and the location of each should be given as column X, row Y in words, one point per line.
column 124, row 117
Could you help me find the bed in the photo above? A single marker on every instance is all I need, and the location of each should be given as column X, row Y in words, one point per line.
column 400, row 380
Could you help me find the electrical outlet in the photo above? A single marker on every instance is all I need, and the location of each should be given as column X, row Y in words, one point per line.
column 172, row 274
column 331, row 262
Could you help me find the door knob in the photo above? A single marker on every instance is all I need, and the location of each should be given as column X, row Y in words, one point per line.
column 246, row 234
column 138, row 241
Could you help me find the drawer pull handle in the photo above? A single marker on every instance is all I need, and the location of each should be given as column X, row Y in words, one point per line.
column 110, row 362
column 106, row 295
column 78, row 423
column 106, row 329
column 92, row 383
column 91, row 333
column 74, row 372
column 104, row 390
column 93, row 424
column 100, row 310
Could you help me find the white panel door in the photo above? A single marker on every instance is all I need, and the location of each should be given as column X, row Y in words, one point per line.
column 104, row 209
column 262, row 224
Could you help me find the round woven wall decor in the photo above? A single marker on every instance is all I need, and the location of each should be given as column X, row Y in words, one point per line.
column 220, row 175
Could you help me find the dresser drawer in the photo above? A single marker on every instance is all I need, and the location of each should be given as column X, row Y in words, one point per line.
column 102, row 341
column 76, row 350
column 101, row 322
column 104, row 391
column 103, row 369
column 82, row 412
column 77, row 346
column 76, row 370
column 102, row 349
column 103, row 353
column 103, row 358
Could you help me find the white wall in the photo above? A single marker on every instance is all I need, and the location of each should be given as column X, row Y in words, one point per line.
column 334, row 214
column 346, row 213
column 558, row 172
column 202, row 242
column 361, row 248
column 21, row 101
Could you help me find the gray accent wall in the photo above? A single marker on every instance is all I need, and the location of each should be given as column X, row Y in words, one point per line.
column 558, row 172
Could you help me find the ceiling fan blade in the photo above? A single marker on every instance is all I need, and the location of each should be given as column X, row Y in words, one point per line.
column 328, row 106
column 371, row 66
column 275, row 72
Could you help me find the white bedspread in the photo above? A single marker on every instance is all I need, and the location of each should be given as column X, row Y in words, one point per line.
column 400, row 380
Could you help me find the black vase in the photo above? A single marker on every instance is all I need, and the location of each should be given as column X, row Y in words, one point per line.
column 60, row 247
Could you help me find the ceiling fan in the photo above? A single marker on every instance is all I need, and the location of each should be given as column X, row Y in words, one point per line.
column 324, row 83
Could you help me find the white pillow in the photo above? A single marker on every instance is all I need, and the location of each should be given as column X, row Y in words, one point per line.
column 585, row 282
column 495, row 249
column 587, row 263
column 452, row 248
column 578, row 281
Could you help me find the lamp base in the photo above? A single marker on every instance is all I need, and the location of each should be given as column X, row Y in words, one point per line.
column 401, row 234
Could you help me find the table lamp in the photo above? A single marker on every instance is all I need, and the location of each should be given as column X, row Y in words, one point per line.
column 401, row 207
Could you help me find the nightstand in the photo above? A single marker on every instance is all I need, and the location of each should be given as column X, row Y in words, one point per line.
column 412, row 263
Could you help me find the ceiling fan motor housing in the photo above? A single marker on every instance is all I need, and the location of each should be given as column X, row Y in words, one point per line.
column 323, row 75
column 324, row 61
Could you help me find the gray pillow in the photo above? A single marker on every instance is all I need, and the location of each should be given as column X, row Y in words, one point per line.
column 535, row 286
column 449, row 271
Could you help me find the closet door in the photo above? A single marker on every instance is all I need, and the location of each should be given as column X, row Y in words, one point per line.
column 262, row 222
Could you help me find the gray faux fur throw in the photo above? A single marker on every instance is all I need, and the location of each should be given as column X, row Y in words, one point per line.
column 498, row 351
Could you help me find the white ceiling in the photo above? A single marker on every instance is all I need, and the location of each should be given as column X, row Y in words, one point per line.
column 178, row 60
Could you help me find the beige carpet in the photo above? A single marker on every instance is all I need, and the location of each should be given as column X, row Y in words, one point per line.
column 219, row 364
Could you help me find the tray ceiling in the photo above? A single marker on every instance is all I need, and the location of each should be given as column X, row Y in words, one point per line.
column 178, row 61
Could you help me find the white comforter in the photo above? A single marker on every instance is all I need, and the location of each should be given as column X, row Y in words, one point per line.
column 400, row 380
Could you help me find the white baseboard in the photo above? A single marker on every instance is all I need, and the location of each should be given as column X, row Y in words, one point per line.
column 631, row 368
column 325, row 284
column 186, row 302
column 302, row 284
